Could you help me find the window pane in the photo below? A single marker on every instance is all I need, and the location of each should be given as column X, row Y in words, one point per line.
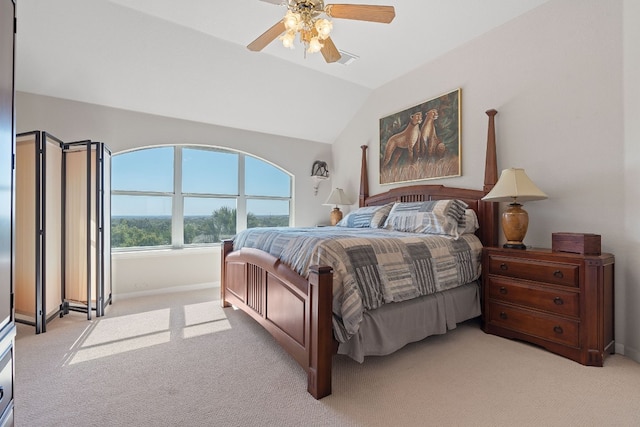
column 150, row 169
column 264, row 179
column 267, row 213
column 208, row 220
column 140, row 221
column 209, row 172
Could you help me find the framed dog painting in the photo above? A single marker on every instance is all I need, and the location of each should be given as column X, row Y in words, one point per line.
column 421, row 142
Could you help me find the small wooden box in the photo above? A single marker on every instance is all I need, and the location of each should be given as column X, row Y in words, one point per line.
column 577, row 243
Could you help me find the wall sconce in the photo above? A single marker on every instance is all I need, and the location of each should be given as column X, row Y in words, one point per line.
column 319, row 173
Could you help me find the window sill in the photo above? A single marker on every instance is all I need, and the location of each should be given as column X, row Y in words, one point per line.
column 165, row 252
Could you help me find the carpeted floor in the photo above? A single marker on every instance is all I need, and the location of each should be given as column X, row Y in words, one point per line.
column 181, row 360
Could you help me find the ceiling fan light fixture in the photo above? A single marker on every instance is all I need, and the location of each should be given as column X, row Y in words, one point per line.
column 314, row 45
column 292, row 21
column 323, row 27
column 288, row 38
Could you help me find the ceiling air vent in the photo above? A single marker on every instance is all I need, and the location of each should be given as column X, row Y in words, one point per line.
column 346, row 58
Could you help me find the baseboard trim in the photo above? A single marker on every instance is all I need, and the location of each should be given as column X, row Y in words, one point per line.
column 173, row 289
column 629, row 352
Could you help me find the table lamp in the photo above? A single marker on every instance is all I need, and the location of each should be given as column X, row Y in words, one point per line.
column 514, row 186
column 337, row 197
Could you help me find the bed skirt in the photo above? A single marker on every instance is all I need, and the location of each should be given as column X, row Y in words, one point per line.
column 395, row 325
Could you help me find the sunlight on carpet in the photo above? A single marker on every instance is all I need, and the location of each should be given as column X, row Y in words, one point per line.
column 110, row 336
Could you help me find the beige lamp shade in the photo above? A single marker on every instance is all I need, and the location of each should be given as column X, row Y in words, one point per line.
column 514, row 186
column 337, row 197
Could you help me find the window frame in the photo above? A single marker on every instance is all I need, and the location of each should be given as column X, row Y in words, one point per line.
column 178, row 197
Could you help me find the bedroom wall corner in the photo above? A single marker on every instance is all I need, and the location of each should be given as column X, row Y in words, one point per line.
column 563, row 123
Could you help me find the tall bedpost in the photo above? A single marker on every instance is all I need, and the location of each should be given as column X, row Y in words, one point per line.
column 321, row 333
column 364, row 177
column 489, row 235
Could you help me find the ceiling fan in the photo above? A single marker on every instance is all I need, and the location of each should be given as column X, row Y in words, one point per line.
column 304, row 18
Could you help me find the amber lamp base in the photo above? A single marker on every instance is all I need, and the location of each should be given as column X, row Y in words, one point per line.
column 515, row 222
column 336, row 215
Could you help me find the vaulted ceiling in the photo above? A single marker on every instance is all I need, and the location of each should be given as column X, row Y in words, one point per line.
column 188, row 59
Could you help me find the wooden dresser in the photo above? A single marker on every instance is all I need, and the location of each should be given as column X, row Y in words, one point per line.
column 560, row 301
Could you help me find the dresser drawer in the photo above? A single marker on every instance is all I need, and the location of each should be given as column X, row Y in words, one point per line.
column 549, row 299
column 6, row 381
column 539, row 271
column 556, row 329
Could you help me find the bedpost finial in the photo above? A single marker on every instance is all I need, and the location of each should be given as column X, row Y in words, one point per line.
column 491, row 112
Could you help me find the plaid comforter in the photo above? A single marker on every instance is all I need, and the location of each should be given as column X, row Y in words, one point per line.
column 371, row 267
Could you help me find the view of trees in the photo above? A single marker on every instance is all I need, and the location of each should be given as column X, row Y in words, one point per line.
column 156, row 231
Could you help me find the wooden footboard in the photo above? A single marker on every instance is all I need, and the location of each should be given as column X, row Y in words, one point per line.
column 295, row 311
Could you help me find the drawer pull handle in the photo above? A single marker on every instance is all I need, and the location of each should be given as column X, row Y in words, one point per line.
column 504, row 266
column 558, row 274
column 558, row 301
column 503, row 315
column 557, row 329
column 503, row 290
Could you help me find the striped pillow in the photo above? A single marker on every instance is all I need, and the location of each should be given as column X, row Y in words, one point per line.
column 366, row 217
column 471, row 223
column 433, row 217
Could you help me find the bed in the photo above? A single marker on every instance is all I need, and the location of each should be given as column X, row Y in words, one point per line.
column 295, row 303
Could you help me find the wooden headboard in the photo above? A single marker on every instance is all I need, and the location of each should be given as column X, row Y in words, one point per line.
column 487, row 212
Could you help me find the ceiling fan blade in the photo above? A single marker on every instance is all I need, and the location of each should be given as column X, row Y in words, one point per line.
column 330, row 51
column 361, row 12
column 267, row 37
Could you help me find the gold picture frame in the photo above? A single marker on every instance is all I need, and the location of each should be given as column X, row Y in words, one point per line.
column 422, row 142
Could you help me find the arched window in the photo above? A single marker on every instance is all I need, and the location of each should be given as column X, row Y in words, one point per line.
column 184, row 196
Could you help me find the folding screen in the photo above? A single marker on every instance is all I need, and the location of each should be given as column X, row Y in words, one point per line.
column 87, row 227
column 38, row 227
column 63, row 228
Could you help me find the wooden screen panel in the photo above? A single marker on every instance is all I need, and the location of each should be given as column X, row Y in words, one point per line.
column 38, row 288
column 52, row 225
column 76, row 230
column 25, row 226
column 106, row 222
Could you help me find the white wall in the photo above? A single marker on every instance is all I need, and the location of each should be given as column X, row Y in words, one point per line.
column 124, row 130
column 555, row 75
column 629, row 294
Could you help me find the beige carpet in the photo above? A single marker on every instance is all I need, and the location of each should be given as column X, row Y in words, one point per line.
column 181, row 360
